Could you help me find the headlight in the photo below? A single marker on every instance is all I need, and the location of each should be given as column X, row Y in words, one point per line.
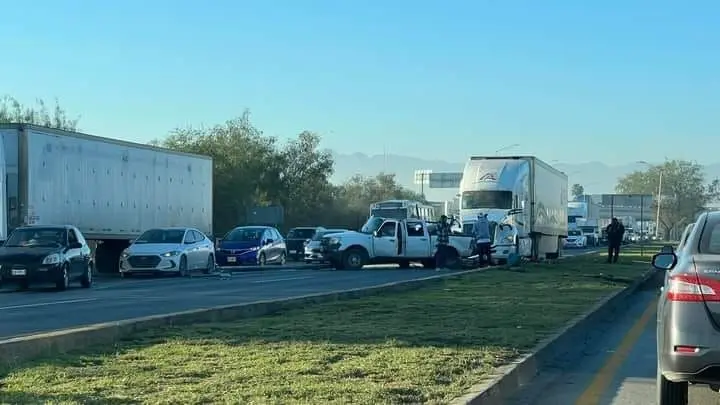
column 508, row 239
column 52, row 259
column 124, row 254
column 335, row 241
column 170, row 254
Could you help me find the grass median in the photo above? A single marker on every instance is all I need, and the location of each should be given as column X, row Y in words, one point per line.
column 424, row 346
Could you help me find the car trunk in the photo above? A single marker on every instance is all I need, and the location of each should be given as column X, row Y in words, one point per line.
column 707, row 268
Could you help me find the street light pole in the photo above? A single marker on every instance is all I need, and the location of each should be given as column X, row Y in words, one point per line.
column 659, row 197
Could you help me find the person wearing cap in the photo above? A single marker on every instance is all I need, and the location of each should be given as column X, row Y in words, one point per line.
column 481, row 231
column 443, row 239
column 615, row 232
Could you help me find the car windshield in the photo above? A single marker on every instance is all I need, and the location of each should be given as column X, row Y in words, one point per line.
column 161, row 236
column 301, row 233
column 244, row 235
column 372, row 225
column 37, row 237
column 574, row 233
column 319, row 235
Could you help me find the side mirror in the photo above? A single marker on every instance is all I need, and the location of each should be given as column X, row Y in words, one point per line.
column 375, row 234
column 664, row 260
column 667, row 249
column 75, row 245
column 269, row 241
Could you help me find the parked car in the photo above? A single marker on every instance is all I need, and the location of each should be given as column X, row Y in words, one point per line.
column 34, row 255
column 688, row 338
column 252, row 245
column 297, row 238
column 575, row 239
column 313, row 248
column 168, row 250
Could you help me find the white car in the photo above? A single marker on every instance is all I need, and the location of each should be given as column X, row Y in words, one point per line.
column 575, row 239
column 313, row 247
column 168, row 250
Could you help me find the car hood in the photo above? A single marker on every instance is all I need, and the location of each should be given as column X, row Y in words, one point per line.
column 240, row 245
column 153, row 248
column 26, row 253
column 347, row 234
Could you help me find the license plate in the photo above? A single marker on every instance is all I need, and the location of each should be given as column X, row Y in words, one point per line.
column 292, row 252
column 231, row 260
column 18, row 272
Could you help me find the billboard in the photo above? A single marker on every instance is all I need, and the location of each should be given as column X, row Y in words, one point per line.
column 627, row 200
column 445, row 180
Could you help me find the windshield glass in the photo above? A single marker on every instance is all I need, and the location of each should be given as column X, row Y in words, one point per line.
column 574, row 233
column 487, row 199
column 394, row 213
column 244, row 235
column 301, row 233
column 372, row 224
column 319, row 235
column 161, row 236
column 37, row 237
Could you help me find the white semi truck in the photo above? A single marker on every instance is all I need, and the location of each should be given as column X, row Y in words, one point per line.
column 524, row 198
column 111, row 190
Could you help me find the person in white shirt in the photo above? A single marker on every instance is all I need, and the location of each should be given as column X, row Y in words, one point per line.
column 481, row 230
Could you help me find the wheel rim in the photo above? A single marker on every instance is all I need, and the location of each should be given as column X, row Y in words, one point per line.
column 262, row 260
column 66, row 277
column 354, row 259
column 89, row 273
column 283, row 259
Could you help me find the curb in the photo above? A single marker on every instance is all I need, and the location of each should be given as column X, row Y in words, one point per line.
column 509, row 379
column 16, row 350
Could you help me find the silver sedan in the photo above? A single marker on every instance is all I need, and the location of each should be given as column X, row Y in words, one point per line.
column 168, row 250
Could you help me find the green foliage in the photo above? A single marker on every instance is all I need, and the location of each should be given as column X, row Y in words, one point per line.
column 684, row 193
column 252, row 169
column 12, row 111
column 577, row 191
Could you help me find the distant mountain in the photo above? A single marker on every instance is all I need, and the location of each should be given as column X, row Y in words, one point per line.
column 596, row 177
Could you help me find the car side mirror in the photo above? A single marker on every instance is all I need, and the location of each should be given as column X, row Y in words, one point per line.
column 269, row 241
column 664, row 260
column 375, row 234
column 75, row 245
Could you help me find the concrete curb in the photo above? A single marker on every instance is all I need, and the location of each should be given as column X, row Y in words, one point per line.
column 508, row 380
column 16, row 350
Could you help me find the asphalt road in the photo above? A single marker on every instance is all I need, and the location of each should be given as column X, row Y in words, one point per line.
column 617, row 367
column 36, row 311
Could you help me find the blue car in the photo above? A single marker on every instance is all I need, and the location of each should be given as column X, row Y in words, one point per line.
column 251, row 245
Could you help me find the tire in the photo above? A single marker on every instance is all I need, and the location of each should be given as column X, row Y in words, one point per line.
column 64, row 282
column 354, row 259
column 283, row 259
column 182, row 268
column 210, row 266
column 261, row 260
column 87, row 280
column 671, row 393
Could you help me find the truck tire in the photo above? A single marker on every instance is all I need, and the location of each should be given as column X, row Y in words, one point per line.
column 354, row 259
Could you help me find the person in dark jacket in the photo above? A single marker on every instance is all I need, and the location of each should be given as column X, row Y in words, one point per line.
column 443, row 239
column 615, row 232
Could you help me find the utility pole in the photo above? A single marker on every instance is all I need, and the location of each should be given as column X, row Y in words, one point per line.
column 659, row 197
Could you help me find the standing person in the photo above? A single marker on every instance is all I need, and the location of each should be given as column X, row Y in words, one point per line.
column 443, row 239
column 615, row 232
column 481, row 231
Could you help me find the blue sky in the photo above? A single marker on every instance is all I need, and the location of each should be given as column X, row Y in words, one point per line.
column 615, row 81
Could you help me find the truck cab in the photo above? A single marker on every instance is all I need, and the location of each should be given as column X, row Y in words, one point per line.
column 390, row 241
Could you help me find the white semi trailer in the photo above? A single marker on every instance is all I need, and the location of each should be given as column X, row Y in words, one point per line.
column 111, row 190
column 524, row 196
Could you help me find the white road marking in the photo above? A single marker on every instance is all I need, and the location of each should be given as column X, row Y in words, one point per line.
column 273, row 280
column 44, row 304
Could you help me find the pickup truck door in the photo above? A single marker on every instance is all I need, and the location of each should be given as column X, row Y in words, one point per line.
column 418, row 242
column 385, row 240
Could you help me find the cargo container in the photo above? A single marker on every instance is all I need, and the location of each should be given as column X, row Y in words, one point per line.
column 110, row 189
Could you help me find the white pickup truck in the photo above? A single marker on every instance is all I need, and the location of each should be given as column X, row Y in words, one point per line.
column 391, row 241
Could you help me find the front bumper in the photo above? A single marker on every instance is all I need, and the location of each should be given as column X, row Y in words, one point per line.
column 158, row 264
column 14, row 275
column 314, row 254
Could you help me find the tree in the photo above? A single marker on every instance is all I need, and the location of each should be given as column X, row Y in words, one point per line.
column 12, row 111
column 577, row 191
column 685, row 191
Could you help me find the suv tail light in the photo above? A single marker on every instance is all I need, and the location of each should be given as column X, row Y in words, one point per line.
column 693, row 288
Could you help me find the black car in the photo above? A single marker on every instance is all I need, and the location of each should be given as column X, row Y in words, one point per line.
column 296, row 239
column 56, row 255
